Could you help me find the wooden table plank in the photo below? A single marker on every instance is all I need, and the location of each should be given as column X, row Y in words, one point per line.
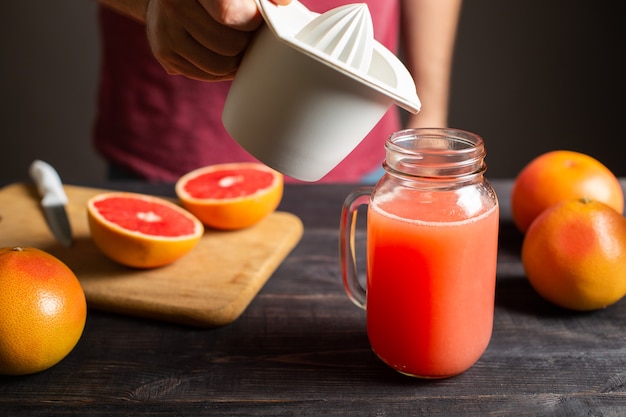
column 301, row 348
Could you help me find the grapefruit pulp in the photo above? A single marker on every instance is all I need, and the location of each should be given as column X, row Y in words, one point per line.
column 141, row 231
column 231, row 196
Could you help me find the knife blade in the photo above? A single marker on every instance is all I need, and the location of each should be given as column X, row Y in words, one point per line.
column 53, row 200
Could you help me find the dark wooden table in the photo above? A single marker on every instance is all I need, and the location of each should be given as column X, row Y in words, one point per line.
column 301, row 349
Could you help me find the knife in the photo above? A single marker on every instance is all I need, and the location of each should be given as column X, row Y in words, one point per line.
column 53, row 200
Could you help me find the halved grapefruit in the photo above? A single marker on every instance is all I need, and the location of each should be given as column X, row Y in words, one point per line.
column 141, row 231
column 231, row 196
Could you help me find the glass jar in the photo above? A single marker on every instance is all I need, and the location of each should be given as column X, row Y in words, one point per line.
column 432, row 238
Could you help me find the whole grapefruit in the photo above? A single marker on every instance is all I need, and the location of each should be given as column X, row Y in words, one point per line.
column 574, row 255
column 561, row 175
column 42, row 310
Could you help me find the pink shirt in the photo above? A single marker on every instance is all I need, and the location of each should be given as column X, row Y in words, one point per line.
column 161, row 126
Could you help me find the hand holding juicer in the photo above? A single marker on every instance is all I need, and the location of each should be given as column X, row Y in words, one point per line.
column 312, row 86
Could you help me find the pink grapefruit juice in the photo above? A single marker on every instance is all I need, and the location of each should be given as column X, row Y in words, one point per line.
column 430, row 286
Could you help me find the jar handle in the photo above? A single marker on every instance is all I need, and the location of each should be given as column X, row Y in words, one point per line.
column 347, row 253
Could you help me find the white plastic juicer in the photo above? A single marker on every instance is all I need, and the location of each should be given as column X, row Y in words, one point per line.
column 311, row 86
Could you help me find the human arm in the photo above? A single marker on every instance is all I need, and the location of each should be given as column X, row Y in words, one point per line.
column 201, row 39
column 428, row 35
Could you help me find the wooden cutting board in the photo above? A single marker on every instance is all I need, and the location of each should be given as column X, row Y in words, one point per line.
column 210, row 286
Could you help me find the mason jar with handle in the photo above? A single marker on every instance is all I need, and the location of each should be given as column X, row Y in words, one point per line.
column 432, row 241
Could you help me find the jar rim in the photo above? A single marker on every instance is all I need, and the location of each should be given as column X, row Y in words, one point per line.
column 435, row 152
column 469, row 142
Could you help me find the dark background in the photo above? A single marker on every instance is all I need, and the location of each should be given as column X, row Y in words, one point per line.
column 529, row 76
column 537, row 75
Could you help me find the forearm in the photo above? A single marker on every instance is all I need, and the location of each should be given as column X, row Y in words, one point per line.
column 135, row 9
column 429, row 32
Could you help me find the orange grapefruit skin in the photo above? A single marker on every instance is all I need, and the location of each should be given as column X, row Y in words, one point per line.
column 42, row 311
column 574, row 255
column 135, row 249
column 232, row 213
column 561, row 175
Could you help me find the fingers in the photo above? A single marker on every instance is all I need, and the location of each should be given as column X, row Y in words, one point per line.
column 188, row 40
column 216, row 68
column 202, row 39
column 236, row 14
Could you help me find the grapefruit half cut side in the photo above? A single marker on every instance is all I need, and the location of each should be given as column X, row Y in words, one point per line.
column 231, row 196
column 141, row 231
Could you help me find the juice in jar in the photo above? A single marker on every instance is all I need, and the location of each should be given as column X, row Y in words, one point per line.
column 430, row 284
